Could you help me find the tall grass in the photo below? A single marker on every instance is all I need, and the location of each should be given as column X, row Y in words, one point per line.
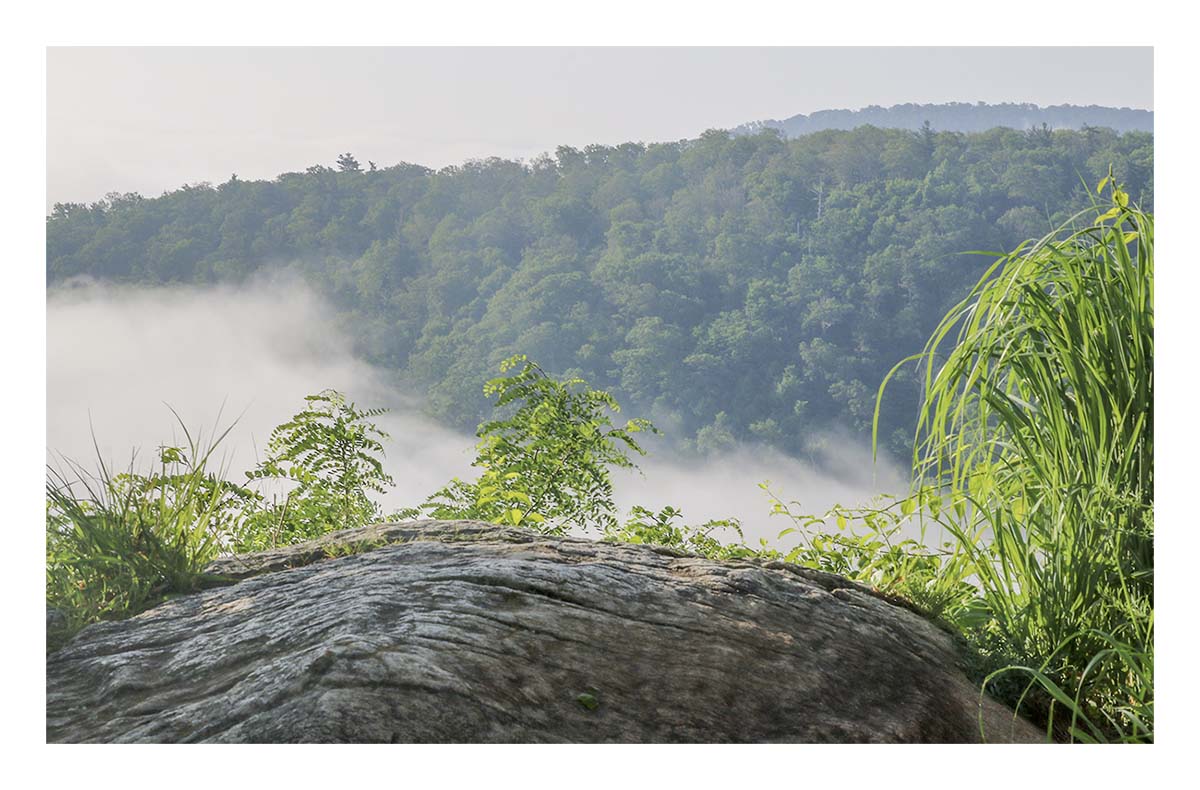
column 1037, row 424
column 117, row 544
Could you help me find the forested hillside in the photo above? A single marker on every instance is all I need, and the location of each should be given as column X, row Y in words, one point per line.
column 963, row 117
column 731, row 287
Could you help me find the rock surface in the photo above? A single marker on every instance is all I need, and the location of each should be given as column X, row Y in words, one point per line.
column 458, row 631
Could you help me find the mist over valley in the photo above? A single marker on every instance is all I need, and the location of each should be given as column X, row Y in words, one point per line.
column 121, row 358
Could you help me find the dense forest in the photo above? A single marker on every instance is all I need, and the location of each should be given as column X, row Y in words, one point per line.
column 731, row 287
column 962, row 117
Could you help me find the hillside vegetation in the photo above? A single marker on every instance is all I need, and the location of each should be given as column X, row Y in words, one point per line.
column 1032, row 487
column 730, row 287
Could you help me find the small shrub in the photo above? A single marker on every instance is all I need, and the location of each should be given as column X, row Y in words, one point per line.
column 644, row 526
column 331, row 453
column 868, row 545
column 545, row 466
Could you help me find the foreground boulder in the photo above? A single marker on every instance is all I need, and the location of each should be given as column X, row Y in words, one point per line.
column 459, row 631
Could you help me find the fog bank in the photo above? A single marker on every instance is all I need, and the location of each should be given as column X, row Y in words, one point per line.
column 117, row 356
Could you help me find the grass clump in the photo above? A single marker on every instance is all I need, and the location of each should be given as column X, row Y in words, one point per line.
column 1037, row 429
column 117, row 544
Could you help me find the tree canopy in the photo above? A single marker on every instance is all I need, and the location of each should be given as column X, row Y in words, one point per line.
column 730, row 287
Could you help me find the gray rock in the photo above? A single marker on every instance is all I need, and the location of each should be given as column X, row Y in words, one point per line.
column 458, row 632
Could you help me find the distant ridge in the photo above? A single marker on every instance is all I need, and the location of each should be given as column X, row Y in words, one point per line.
column 961, row 117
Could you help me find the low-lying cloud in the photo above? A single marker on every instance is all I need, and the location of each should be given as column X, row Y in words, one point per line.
column 118, row 356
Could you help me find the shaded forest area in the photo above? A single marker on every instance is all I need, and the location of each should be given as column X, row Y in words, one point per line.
column 730, row 287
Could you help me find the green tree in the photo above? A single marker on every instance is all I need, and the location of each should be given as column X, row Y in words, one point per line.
column 346, row 163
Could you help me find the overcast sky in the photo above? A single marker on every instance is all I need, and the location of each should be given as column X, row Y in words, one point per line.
column 150, row 119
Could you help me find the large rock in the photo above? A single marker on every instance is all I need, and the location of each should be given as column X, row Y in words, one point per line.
column 440, row 631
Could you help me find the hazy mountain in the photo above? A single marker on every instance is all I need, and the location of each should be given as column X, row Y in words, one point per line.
column 961, row 117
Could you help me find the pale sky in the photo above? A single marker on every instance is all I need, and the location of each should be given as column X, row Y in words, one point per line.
column 151, row 119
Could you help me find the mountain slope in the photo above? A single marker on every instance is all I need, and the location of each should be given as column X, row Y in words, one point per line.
column 728, row 287
column 962, row 117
